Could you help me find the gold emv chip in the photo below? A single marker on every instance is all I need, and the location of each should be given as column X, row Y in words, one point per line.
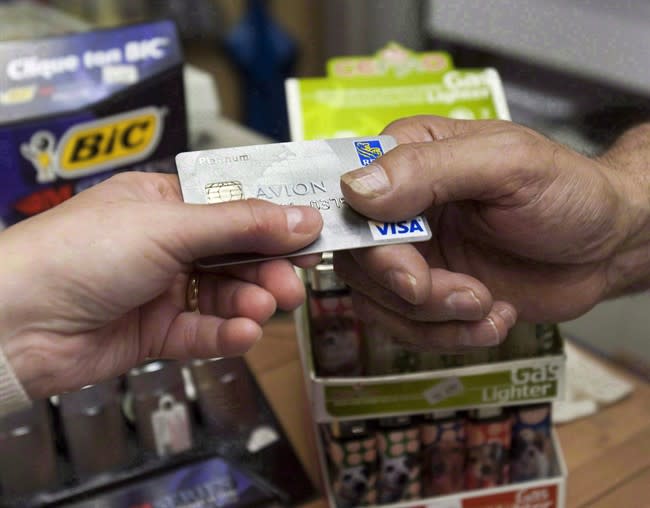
column 222, row 192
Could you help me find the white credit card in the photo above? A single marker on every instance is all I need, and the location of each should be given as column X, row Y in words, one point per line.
column 299, row 173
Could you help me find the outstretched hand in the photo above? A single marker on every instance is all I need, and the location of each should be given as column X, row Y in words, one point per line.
column 98, row 284
column 522, row 227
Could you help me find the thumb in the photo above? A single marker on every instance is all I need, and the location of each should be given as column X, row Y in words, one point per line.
column 486, row 163
column 250, row 225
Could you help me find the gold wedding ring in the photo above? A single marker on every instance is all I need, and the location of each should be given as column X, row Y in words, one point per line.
column 192, row 294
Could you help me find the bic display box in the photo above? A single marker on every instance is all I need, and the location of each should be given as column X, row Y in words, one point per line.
column 529, row 380
column 76, row 109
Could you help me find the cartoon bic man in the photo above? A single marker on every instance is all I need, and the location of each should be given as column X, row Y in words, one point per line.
column 40, row 151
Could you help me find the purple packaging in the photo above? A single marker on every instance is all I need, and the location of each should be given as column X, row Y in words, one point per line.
column 77, row 108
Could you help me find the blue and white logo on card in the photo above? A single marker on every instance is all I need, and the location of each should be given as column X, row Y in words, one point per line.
column 412, row 228
column 368, row 151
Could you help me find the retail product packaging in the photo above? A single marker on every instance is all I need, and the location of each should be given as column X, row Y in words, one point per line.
column 361, row 95
column 505, row 381
column 511, row 380
column 77, row 108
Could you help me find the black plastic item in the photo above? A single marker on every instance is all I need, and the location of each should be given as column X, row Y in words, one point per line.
column 261, row 445
column 204, row 483
column 225, row 395
column 94, row 428
column 258, row 449
column 27, row 457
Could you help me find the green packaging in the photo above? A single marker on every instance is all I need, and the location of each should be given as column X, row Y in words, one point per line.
column 361, row 95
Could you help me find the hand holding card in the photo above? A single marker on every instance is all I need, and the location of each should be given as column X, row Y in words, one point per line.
column 299, row 173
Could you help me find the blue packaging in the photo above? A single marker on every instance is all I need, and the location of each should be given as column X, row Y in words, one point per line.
column 78, row 108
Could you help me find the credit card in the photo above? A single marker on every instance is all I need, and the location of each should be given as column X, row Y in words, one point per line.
column 297, row 173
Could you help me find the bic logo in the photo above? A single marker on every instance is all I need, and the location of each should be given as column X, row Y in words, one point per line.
column 413, row 228
column 368, row 151
column 95, row 146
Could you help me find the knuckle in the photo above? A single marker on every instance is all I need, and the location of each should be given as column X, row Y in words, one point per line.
column 411, row 156
column 399, row 124
column 123, row 177
column 403, row 154
column 528, row 137
column 516, row 138
column 522, row 146
column 259, row 219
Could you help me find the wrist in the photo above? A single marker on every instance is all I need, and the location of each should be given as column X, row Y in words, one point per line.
column 17, row 280
column 29, row 355
column 627, row 168
column 13, row 396
column 16, row 342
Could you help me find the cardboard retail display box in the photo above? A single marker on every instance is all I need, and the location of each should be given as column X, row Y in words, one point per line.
column 522, row 380
column 403, row 428
column 75, row 109
column 361, row 95
column 503, row 384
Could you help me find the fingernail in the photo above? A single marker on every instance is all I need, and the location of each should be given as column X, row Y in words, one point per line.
column 483, row 333
column 296, row 220
column 464, row 304
column 370, row 181
column 403, row 284
column 496, row 339
column 508, row 316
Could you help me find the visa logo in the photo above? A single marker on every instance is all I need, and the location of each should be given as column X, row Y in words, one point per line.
column 412, row 228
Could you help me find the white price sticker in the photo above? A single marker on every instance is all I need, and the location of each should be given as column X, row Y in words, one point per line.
column 171, row 426
column 443, row 390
